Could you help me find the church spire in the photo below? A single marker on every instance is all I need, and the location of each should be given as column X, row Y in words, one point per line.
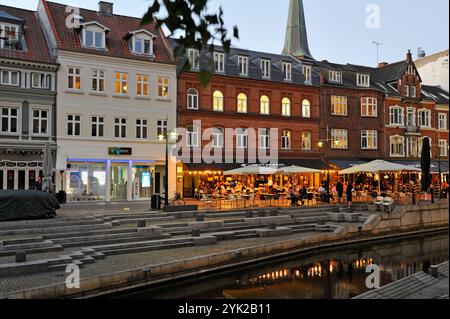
column 296, row 42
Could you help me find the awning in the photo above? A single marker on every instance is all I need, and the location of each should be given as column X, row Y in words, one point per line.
column 434, row 165
column 342, row 164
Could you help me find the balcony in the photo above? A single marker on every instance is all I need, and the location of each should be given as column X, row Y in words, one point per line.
column 412, row 130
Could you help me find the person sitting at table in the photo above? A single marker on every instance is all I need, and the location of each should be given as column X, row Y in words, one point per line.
column 303, row 194
column 293, row 197
column 322, row 193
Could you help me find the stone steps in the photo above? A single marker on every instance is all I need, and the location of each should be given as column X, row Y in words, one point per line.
column 144, row 248
column 56, row 230
column 53, row 224
column 27, row 246
column 105, row 248
column 88, row 233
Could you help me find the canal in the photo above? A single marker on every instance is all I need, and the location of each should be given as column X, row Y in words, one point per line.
column 332, row 274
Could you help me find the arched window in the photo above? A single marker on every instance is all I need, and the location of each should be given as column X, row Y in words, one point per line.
column 397, row 146
column 192, row 99
column 242, row 103
column 218, row 101
column 286, row 107
column 306, row 108
column 286, row 139
column 265, row 105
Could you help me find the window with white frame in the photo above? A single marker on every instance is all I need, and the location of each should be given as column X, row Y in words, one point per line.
column 9, row 120
column 192, row 99
column 406, row 90
column 396, row 115
column 40, row 122
column 424, row 118
column 443, row 148
column 141, row 129
column 363, row 80
column 243, row 65
column 142, row 46
column 411, row 117
column 218, row 101
column 161, row 128
column 264, row 105
column 420, row 146
column 286, row 107
column 41, row 81
column 120, row 127
column 192, row 139
column 163, row 87
column 94, row 39
column 369, row 140
column 335, row 76
column 306, row 108
column 241, row 138
column 121, row 83
column 413, row 91
column 285, row 139
column 287, row 71
column 339, row 139
column 265, row 68
column 443, row 121
column 264, row 138
column 339, row 105
column 219, row 62
column 194, row 58
column 142, row 85
column 97, row 126
column 217, row 137
column 411, row 147
column 9, row 36
column 73, row 125
column 98, row 81
column 9, row 77
column 307, row 73
column 306, row 140
column 369, row 107
column 397, row 146
column 74, row 78
column 242, row 103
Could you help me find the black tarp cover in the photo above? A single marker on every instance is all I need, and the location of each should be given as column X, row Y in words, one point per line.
column 21, row 205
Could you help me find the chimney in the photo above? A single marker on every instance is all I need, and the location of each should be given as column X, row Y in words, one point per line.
column 382, row 64
column 409, row 56
column 105, row 8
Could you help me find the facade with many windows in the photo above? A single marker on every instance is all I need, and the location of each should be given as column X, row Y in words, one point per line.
column 27, row 99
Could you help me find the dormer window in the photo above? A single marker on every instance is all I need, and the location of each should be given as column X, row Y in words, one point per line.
column 9, row 36
column 335, row 76
column 142, row 42
column 363, row 80
column 194, row 58
column 287, row 71
column 94, row 35
column 265, row 68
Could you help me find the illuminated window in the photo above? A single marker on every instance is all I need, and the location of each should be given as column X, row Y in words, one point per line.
column 74, row 78
column 218, row 101
column 339, row 105
column 242, row 103
column 142, row 82
column 397, row 146
column 369, row 107
column 286, row 107
column 339, row 139
column 286, row 140
column 265, row 105
column 306, row 140
column 121, row 81
column 369, row 140
column 163, row 87
column 306, row 108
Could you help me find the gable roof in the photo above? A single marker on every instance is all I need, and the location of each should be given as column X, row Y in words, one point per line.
column 35, row 48
column 116, row 39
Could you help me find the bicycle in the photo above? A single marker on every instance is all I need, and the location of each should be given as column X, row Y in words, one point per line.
column 177, row 200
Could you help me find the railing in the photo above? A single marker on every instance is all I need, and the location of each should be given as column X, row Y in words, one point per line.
column 412, row 129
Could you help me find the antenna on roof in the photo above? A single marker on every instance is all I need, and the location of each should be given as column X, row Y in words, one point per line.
column 378, row 52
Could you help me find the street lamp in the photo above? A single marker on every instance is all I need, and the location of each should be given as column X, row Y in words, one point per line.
column 166, row 135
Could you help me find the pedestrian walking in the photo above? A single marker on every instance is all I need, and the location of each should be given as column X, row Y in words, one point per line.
column 340, row 190
column 349, row 193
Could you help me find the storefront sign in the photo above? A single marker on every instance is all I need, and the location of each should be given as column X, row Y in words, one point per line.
column 146, row 180
column 120, row 151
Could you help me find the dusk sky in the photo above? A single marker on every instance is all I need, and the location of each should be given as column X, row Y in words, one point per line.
column 336, row 29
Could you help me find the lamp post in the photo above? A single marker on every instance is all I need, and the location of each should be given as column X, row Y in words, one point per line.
column 165, row 135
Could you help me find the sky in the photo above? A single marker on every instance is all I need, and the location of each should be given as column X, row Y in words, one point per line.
column 337, row 29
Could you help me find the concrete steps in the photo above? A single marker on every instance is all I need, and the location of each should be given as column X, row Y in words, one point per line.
column 56, row 230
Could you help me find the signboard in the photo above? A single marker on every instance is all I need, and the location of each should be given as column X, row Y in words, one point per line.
column 120, row 151
column 146, row 180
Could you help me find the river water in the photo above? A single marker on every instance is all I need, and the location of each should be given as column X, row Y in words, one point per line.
column 333, row 274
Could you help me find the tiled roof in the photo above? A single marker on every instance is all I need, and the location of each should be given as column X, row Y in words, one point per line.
column 116, row 39
column 35, row 46
column 435, row 93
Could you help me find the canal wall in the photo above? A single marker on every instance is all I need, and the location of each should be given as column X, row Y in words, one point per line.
column 403, row 221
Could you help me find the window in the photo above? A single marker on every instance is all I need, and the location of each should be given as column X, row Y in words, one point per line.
column 120, row 127
column 74, row 78
column 340, row 139
column 98, row 81
column 264, row 105
column 411, row 117
column 396, row 115
column 194, row 58
column 287, row 71
column 161, row 127
column 307, row 73
column 369, row 107
column 443, row 148
column 143, row 46
column 9, row 77
column 217, row 137
column 242, row 103
column 306, row 108
column 40, row 80
column 413, row 91
column 94, row 39
column 141, row 129
column 243, row 65
column 73, row 125
column 286, row 107
column 265, row 69
column 242, row 138
column 369, row 140
column 363, row 80
column 142, row 82
column 306, row 140
column 424, row 118
column 121, row 83
column 192, row 99
column 192, row 136
column 411, row 147
column 40, row 122
column 219, row 62
column 97, row 126
column 335, row 76
column 218, row 101
column 285, row 140
column 163, row 87
column 442, row 121
column 9, row 120
column 9, row 37
column 339, row 105
column 264, row 138
column 406, row 90
column 397, row 146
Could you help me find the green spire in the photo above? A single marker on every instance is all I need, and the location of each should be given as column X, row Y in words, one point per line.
column 296, row 42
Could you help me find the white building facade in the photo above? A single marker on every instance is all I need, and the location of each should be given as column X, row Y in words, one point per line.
column 433, row 70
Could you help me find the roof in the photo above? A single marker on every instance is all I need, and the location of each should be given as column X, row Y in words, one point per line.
column 116, row 39
column 35, row 47
column 435, row 93
column 431, row 58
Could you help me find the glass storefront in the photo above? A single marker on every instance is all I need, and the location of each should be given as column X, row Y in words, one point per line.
column 142, row 182
column 86, row 182
column 119, row 181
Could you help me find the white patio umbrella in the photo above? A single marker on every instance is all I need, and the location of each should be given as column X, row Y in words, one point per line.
column 47, row 169
column 260, row 170
column 299, row 170
column 237, row 171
